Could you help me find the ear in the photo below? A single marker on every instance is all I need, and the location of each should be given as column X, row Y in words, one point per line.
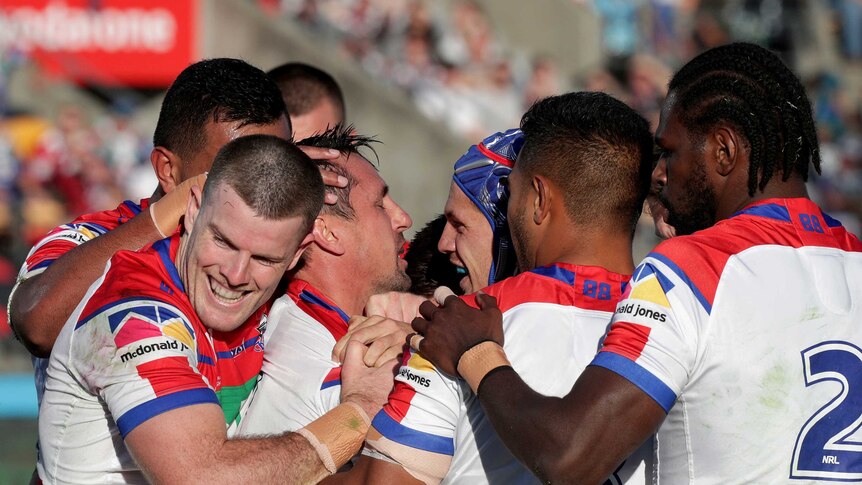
column 726, row 149
column 542, row 199
column 325, row 235
column 193, row 208
column 166, row 166
column 306, row 241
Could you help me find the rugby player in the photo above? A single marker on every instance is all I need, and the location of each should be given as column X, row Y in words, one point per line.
column 130, row 387
column 738, row 340
column 313, row 98
column 354, row 254
column 210, row 103
column 475, row 237
column 577, row 190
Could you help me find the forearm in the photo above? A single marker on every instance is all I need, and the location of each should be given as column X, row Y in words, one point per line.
column 41, row 304
column 283, row 459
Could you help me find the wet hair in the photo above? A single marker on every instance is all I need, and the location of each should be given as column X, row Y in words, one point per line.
column 751, row 89
column 303, row 87
column 215, row 90
column 427, row 267
column 344, row 139
column 597, row 150
column 273, row 177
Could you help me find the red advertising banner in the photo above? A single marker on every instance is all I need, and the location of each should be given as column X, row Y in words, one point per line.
column 141, row 43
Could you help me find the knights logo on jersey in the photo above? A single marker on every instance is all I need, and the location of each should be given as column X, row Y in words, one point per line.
column 261, row 330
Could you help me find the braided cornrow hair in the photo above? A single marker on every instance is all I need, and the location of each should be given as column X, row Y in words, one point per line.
column 751, row 88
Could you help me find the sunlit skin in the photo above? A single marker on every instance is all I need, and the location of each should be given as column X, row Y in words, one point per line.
column 324, row 115
column 521, row 239
column 230, row 260
column 374, row 237
column 681, row 174
column 467, row 239
column 220, row 133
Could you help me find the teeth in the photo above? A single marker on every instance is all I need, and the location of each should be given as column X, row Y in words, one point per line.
column 225, row 294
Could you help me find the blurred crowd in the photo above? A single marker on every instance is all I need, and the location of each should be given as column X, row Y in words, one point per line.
column 448, row 57
column 53, row 170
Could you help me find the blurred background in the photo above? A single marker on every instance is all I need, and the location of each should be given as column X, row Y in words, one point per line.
column 81, row 84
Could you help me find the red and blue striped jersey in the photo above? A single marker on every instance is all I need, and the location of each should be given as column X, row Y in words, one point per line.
column 748, row 335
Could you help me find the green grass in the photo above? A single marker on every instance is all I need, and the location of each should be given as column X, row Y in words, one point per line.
column 17, row 450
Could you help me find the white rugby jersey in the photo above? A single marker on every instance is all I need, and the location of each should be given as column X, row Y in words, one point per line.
column 748, row 334
column 299, row 381
column 133, row 349
column 553, row 319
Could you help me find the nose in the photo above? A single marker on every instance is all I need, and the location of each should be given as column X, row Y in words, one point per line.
column 235, row 269
column 659, row 174
column 401, row 220
column 446, row 244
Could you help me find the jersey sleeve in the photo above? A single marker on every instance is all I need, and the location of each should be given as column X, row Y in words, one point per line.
column 299, row 381
column 653, row 340
column 140, row 356
column 68, row 236
column 416, row 428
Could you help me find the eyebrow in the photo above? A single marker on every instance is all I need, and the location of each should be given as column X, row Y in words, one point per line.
column 384, row 191
column 232, row 245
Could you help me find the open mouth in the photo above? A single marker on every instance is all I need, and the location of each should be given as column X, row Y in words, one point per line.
column 225, row 295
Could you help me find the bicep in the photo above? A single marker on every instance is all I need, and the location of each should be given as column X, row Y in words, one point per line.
column 615, row 417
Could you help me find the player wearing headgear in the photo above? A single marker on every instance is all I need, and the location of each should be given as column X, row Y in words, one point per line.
column 475, row 236
column 576, row 192
column 739, row 340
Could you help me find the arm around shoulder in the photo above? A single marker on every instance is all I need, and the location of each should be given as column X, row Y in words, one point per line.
column 41, row 304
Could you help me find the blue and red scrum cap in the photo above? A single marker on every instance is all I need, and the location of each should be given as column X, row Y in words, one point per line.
column 481, row 173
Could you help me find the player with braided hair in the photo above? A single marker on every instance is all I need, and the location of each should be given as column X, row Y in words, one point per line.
column 737, row 343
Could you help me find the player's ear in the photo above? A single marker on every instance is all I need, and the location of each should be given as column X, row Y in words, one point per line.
column 725, row 148
column 193, row 208
column 541, row 199
column 325, row 234
column 166, row 166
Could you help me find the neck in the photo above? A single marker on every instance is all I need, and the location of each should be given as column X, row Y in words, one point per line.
column 587, row 247
column 157, row 194
column 794, row 187
column 340, row 287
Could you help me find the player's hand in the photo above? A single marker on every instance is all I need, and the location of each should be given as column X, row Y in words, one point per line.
column 167, row 211
column 330, row 178
column 396, row 305
column 366, row 386
column 383, row 336
column 454, row 327
column 659, row 214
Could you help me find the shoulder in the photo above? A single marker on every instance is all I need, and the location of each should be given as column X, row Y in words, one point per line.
column 542, row 285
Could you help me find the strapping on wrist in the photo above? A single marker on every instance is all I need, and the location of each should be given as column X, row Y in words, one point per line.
column 337, row 435
column 152, row 210
column 479, row 360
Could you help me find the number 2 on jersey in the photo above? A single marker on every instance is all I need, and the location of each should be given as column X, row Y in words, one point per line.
column 828, row 446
